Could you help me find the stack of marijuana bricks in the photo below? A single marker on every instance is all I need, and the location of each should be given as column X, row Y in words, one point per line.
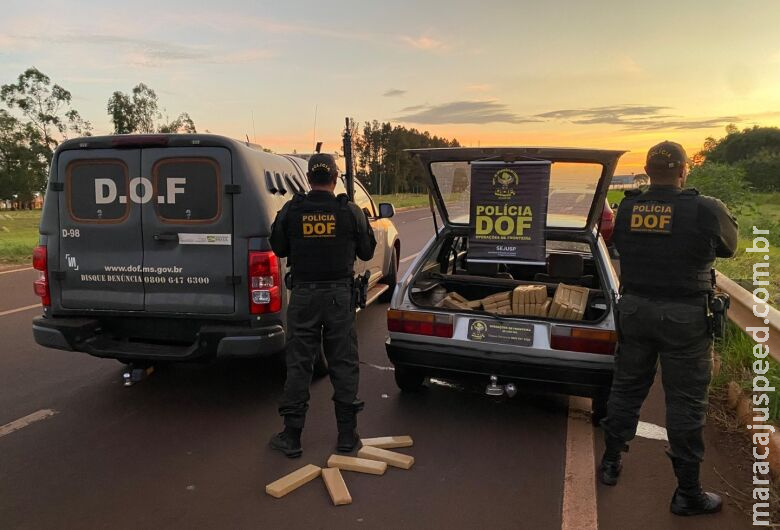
column 568, row 303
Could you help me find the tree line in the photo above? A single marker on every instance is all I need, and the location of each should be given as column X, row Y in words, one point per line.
column 753, row 152
column 381, row 162
column 37, row 114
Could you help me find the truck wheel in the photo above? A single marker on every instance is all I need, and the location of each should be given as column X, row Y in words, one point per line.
column 390, row 278
column 320, row 365
column 409, row 379
column 599, row 409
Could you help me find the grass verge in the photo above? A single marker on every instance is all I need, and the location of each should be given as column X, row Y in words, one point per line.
column 18, row 236
column 404, row 200
column 736, row 354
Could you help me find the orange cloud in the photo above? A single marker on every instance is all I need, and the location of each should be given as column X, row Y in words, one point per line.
column 423, row 43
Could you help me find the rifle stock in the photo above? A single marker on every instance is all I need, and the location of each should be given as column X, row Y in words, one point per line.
column 350, row 174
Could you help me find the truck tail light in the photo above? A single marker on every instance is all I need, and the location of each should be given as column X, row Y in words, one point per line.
column 419, row 323
column 139, row 140
column 583, row 340
column 265, row 294
column 41, row 264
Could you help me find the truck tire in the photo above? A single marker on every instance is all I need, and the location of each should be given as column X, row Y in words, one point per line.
column 390, row 278
column 409, row 379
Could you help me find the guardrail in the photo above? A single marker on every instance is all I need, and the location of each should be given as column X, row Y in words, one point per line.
column 741, row 313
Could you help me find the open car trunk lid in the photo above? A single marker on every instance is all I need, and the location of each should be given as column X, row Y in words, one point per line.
column 579, row 181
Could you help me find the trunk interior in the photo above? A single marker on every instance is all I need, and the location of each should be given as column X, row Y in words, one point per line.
column 449, row 271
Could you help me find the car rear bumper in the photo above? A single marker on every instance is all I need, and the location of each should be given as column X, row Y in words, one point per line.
column 579, row 378
column 86, row 335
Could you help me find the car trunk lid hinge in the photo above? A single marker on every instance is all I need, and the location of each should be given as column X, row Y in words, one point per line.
column 232, row 189
column 433, row 213
column 56, row 186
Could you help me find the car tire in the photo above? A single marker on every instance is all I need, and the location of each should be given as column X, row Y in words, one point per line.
column 599, row 410
column 391, row 278
column 409, row 379
column 320, row 366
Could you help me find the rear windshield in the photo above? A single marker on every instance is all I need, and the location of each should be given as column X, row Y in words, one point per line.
column 194, row 183
column 92, row 187
column 572, row 188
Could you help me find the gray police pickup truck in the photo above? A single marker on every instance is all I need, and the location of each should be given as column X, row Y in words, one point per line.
column 155, row 248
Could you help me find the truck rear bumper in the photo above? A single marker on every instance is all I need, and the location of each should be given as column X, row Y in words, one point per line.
column 86, row 335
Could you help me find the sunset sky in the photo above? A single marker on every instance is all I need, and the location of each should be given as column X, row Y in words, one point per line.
column 610, row 74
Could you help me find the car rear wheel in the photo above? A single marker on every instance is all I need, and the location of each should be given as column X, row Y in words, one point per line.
column 409, row 379
column 391, row 277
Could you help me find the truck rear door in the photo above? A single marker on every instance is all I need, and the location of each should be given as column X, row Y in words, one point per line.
column 188, row 230
column 101, row 249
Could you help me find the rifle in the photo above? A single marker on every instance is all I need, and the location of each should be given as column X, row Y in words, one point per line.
column 350, row 174
column 360, row 283
column 717, row 309
column 361, row 289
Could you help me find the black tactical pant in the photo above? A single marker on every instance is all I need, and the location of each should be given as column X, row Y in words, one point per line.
column 321, row 315
column 678, row 332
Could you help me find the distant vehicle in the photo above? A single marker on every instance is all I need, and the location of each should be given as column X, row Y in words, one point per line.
column 155, row 248
column 578, row 202
column 428, row 339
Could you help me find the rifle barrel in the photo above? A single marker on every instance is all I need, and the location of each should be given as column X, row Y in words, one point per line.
column 350, row 175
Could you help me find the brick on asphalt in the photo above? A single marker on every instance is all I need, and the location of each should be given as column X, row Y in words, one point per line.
column 293, row 481
column 388, row 442
column 336, row 486
column 390, row 457
column 361, row 465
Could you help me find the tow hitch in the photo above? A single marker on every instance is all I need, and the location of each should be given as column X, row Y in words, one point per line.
column 136, row 373
column 494, row 389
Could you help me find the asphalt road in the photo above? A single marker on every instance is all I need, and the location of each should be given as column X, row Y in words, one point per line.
column 187, row 447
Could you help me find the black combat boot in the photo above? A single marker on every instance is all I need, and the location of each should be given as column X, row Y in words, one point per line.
column 346, row 420
column 288, row 442
column 348, row 441
column 689, row 498
column 611, row 464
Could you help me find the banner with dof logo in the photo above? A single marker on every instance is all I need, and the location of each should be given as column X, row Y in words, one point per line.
column 508, row 211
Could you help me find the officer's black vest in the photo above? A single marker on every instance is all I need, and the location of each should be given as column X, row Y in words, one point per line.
column 322, row 239
column 663, row 251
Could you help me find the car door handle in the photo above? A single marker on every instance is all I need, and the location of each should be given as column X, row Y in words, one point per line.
column 166, row 237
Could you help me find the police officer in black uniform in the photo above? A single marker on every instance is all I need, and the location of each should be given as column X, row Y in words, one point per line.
column 320, row 235
column 668, row 238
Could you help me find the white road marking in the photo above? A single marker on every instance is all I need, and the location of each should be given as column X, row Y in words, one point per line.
column 18, row 310
column 409, row 258
column 424, row 218
column 16, row 270
column 579, row 510
column 651, row 431
column 21, row 423
column 378, row 367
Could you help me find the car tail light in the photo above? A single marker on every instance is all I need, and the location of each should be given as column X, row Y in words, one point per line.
column 420, row 323
column 583, row 340
column 41, row 285
column 264, row 283
column 607, row 225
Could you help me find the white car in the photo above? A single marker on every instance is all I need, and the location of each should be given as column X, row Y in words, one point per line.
column 568, row 356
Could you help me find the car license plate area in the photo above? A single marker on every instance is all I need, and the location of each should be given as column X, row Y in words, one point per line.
column 500, row 332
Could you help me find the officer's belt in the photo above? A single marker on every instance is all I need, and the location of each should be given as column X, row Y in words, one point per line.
column 691, row 299
column 331, row 284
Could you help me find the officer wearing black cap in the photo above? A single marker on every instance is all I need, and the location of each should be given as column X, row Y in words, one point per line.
column 320, row 235
column 668, row 238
